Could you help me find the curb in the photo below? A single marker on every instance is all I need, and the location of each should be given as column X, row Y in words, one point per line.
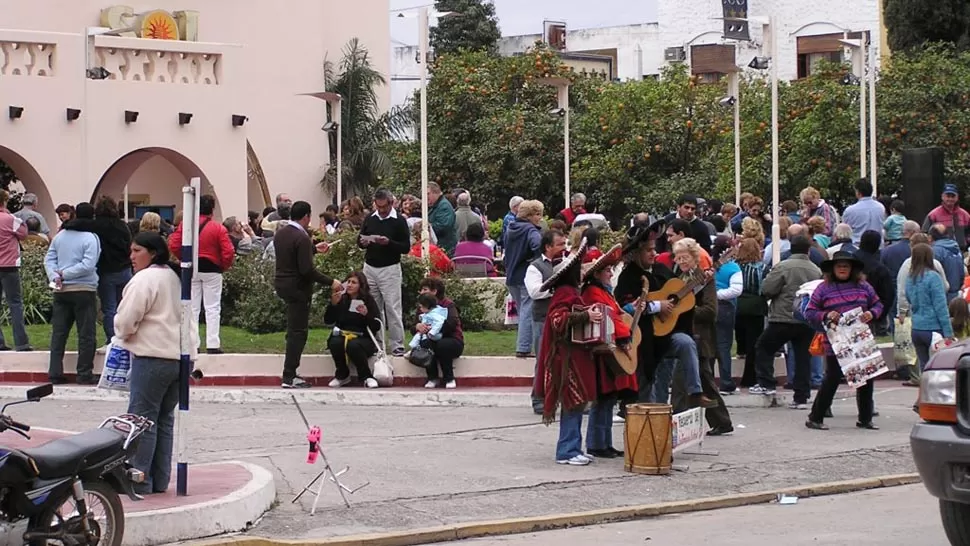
column 561, row 521
column 236, row 511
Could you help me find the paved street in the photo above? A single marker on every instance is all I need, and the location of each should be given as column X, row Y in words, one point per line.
column 441, row 465
column 896, row 516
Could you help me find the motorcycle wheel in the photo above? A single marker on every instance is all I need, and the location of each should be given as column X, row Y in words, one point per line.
column 105, row 511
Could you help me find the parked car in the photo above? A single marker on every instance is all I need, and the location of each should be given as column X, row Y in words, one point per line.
column 941, row 440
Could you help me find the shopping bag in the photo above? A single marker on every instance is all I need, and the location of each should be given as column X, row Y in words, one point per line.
column 117, row 368
column 511, row 311
column 380, row 365
column 938, row 344
column 904, row 354
column 817, row 348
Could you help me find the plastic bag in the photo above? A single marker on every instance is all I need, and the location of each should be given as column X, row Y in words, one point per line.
column 939, row 343
column 117, row 369
column 817, row 348
column 511, row 311
column 904, row 354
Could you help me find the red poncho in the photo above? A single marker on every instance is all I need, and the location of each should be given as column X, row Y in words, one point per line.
column 567, row 371
column 609, row 382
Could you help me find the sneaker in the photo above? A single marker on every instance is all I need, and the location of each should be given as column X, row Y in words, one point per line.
column 726, row 392
column 296, row 383
column 337, row 383
column 398, row 352
column 618, row 419
column 371, row 383
column 102, row 349
column 798, row 406
column 451, row 384
column 431, row 384
column 214, row 351
column 87, row 380
column 758, row 389
column 721, row 430
column 57, row 380
column 24, row 349
column 578, row 460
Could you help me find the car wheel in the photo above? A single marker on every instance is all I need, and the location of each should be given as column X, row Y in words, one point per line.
column 956, row 522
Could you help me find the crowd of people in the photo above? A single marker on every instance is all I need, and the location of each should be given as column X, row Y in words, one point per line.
column 870, row 256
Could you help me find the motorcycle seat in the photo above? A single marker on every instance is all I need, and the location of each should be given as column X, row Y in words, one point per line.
column 65, row 456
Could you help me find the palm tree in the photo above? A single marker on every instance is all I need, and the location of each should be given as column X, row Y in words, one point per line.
column 365, row 127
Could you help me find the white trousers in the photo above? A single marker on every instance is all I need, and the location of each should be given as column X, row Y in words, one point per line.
column 385, row 286
column 207, row 291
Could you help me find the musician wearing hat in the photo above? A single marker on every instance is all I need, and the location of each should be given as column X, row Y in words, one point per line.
column 640, row 255
column 610, row 379
column 566, row 368
column 843, row 289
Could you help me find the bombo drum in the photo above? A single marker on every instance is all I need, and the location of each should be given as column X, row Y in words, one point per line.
column 647, row 440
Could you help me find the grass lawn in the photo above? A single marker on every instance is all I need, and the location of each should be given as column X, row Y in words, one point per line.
column 235, row 340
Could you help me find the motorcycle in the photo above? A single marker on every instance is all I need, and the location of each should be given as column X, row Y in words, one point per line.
column 67, row 491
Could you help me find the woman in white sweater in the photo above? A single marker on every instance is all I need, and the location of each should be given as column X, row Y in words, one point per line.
column 147, row 325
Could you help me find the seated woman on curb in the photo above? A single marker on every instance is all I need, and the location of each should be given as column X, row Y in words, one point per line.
column 351, row 312
column 452, row 342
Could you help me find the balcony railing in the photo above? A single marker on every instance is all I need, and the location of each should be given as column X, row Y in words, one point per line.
column 159, row 61
column 26, row 58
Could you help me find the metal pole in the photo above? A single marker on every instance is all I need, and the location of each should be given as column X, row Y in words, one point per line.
column 862, row 107
column 873, row 170
column 735, row 91
column 190, row 221
column 423, row 45
column 564, row 102
column 775, row 228
column 126, row 203
column 340, row 151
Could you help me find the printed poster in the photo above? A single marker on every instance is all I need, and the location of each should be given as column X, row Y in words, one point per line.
column 688, row 429
column 855, row 348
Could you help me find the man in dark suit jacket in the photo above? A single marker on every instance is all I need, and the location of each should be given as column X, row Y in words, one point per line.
column 294, row 280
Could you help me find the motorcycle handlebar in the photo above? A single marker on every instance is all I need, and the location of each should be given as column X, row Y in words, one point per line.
column 19, row 426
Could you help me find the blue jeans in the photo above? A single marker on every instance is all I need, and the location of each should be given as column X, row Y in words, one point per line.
column 817, row 367
column 10, row 285
column 110, row 286
column 523, row 303
column 154, row 394
column 599, row 429
column 922, row 339
column 570, row 434
column 725, row 335
column 536, row 339
column 660, row 389
column 684, row 350
column 818, row 370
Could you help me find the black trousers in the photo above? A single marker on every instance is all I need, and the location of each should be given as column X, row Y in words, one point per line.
column 717, row 417
column 446, row 350
column 357, row 350
column 825, row 396
column 69, row 308
column 775, row 336
column 297, row 329
column 751, row 327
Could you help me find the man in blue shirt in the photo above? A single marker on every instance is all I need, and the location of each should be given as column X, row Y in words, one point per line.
column 866, row 214
column 72, row 268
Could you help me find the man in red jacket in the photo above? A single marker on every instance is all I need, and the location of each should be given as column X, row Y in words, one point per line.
column 216, row 255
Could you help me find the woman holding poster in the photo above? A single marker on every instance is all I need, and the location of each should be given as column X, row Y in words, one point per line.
column 843, row 290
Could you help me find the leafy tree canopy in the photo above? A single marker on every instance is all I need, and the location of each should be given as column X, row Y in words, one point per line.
column 913, row 24
column 473, row 27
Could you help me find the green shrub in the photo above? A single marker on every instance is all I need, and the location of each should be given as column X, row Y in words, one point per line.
column 249, row 300
column 495, row 229
column 37, row 296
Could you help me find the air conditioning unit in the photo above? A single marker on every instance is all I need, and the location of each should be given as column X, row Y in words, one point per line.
column 675, row 54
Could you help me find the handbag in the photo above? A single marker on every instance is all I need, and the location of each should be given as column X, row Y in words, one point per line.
column 817, row 347
column 511, row 311
column 380, row 365
column 422, row 357
column 117, row 368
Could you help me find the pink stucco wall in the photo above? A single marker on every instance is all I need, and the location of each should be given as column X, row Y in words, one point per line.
column 269, row 53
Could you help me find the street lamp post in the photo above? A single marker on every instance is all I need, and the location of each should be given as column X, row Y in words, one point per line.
column 772, row 28
column 873, row 171
column 734, row 91
column 423, row 45
column 335, row 101
column 562, row 89
column 858, row 48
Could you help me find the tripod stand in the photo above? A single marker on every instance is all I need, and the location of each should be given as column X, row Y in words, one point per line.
column 313, row 435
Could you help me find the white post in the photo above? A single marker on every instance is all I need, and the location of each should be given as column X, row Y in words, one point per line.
column 423, row 52
column 564, row 104
column 860, row 54
column 734, row 89
column 873, row 170
column 126, row 203
column 639, row 62
column 775, row 228
column 189, row 265
column 340, row 150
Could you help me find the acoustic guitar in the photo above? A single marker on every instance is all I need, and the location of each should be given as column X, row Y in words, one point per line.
column 681, row 294
column 626, row 357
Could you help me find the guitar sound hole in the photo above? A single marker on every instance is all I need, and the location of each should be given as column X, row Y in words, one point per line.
column 674, row 300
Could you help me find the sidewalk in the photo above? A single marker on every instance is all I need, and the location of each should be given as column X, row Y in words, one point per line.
column 222, row 497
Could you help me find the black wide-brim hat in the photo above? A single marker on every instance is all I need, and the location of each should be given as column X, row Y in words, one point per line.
column 841, row 256
column 637, row 235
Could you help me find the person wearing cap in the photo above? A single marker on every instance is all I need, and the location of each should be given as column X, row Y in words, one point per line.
column 28, row 202
column 866, row 214
column 598, row 289
column 951, row 215
column 566, row 368
column 842, row 290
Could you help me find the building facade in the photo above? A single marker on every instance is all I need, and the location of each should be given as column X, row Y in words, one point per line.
column 181, row 88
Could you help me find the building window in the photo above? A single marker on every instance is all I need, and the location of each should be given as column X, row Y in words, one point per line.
column 709, row 77
column 808, row 62
column 712, row 61
column 813, row 50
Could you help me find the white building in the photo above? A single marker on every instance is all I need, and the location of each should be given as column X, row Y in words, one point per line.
column 692, row 31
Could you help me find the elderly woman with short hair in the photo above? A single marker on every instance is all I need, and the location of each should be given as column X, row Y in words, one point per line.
column 522, row 245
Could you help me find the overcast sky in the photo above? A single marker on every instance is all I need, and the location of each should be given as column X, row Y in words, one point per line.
column 517, row 17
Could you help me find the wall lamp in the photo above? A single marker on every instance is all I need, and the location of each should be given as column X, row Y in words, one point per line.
column 728, row 101
column 330, row 126
column 16, row 112
column 760, row 63
column 131, row 116
column 185, row 118
column 561, row 112
column 239, row 120
column 73, row 114
column 850, row 79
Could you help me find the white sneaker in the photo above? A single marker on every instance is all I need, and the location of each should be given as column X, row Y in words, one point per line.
column 337, row 383
column 371, row 383
column 578, row 460
column 618, row 419
column 451, row 385
column 431, row 384
column 102, row 349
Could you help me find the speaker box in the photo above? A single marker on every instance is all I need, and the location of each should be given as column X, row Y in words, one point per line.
column 922, row 180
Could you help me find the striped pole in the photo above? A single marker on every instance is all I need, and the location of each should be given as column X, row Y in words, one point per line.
column 190, row 223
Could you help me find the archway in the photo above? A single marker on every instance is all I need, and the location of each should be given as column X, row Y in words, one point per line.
column 257, row 190
column 32, row 183
column 154, row 178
